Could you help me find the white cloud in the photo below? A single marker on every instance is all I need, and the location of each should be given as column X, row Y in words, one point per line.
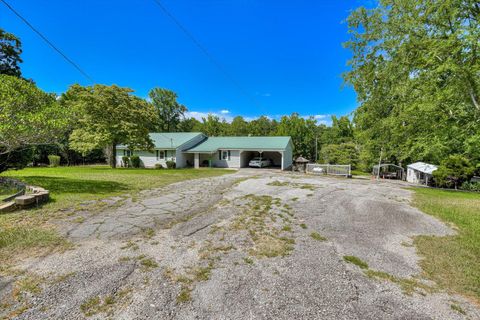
column 224, row 111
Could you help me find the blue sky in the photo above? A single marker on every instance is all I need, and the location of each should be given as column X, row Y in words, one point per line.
column 287, row 56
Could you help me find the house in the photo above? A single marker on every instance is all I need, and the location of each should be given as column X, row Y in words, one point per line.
column 420, row 172
column 236, row 152
column 195, row 149
column 168, row 146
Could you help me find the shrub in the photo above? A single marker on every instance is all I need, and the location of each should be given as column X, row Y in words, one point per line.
column 453, row 171
column 125, row 161
column 171, row 164
column 344, row 153
column 135, row 161
column 471, row 186
column 54, row 160
column 158, row 166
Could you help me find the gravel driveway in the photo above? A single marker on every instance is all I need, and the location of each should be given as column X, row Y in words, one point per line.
column 250, row 245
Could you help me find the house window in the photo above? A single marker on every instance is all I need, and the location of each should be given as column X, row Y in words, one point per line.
column 225, row 155
column 127, row 153
column 160, row 154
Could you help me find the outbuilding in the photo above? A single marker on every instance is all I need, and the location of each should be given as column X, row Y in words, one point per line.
column 420, row 172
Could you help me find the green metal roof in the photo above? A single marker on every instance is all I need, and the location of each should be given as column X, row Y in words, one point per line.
column 170, row 140
column 242, row 143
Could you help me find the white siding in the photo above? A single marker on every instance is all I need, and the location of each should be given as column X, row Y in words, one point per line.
column 412, row 176
column 147, row 159
column 183, row 157
column 233, row 162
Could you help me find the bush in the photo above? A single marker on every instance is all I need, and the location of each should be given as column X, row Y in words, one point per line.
column 158, row 166
column 171, row 164
column 471, row 186
column 54, row 160
column 125, row 161
column 453, row 171
column 344, row 153
column 135, row 161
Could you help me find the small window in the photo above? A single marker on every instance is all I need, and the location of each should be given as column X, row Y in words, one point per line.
column 161, row 154
column 127, row 153
column 226, row 155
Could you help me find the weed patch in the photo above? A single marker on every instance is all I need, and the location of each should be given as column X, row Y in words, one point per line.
column 316, row 236
column 356, row 261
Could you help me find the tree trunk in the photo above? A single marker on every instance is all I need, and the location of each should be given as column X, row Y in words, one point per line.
column 113, row 156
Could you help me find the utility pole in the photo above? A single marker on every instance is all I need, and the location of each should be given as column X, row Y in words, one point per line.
column 379, row 163
column 316, row 146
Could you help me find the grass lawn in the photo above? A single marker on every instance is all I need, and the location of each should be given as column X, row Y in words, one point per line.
column 70, row 186
column 360, row 173
column 6, row 191
column 453, row 262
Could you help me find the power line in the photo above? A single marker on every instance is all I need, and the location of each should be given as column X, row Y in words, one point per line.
column 205, row 51
column 70, row 61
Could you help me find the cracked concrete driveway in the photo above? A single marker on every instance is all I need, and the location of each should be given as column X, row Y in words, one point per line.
column 251, row 245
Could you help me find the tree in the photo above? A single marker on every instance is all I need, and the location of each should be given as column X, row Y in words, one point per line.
column 344, row 153
column 189, row 125
column 169, row 111
column 453, row 171
column 10, row 51
column 262, row 126
column 238, row 127
column 28, row 117
column 212, row 126
column 105, row 116
column 415, row 69
column 303, row 133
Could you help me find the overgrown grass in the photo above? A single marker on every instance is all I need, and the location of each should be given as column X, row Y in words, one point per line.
column 71, row 186
column 453, row 262
column 6, row 191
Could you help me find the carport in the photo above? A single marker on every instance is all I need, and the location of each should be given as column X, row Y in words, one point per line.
column 247, row 155
column 236, row 152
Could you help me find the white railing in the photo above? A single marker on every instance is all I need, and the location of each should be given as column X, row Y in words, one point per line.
column 329, row 169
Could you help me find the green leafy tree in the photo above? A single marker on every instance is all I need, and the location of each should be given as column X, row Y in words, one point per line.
column 105, row 116
column 212, row 126
column 189, row 125
column 238, row 127
column 453, row 171
column 28, row 117
column 344, row 153
column 169, row 111
column 303, row 132
column 415, row 69
column 10, row 51
column 262, row 126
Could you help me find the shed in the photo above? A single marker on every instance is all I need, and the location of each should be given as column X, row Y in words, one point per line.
column 301, row 164
column 420, row 172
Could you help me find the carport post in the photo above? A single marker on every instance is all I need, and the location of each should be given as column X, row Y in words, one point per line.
column 282, row 161
column 196, row 160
